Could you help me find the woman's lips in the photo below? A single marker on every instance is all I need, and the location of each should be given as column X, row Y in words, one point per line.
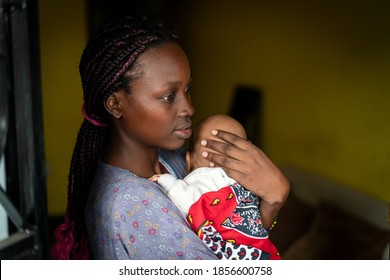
column 183, row 133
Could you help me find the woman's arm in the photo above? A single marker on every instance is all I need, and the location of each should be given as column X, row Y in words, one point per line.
column 249, row 166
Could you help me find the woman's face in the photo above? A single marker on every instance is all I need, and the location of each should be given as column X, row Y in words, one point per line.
column 157, row 111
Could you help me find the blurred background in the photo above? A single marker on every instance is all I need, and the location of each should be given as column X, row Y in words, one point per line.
column 318, row 70
column 323, row 69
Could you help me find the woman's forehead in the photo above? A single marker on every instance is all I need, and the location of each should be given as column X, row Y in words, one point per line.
column 165, row 55
column 166, row 63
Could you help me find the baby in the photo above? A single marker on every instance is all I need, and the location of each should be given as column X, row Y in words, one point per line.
column 223, row 213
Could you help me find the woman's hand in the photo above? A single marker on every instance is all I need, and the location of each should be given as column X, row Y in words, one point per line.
column 249, row 166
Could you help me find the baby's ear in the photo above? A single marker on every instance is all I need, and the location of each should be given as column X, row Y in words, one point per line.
column 112, row 105
column 188, row 162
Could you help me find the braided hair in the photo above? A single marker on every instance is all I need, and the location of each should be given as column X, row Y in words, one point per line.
column 106, row 66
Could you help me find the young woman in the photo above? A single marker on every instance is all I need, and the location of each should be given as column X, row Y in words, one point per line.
column 137, row 115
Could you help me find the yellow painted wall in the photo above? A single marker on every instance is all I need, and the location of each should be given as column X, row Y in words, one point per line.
column 324, row 67
column 63, row 34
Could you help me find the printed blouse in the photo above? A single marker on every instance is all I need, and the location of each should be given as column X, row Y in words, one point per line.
column 128, row 217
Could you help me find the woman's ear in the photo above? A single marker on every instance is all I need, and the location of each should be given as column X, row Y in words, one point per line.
column 112, row 105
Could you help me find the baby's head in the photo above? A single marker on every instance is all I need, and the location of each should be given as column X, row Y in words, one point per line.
column 203, row 130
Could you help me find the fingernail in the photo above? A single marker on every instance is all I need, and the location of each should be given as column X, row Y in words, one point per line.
column 211, row 164
column 203, row 143
column 214, row 132
column 205, row 154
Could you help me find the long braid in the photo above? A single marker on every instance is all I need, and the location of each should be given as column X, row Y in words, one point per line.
column 106, row 62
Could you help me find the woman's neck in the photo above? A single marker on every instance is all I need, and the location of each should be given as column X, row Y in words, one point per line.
column 143, row 162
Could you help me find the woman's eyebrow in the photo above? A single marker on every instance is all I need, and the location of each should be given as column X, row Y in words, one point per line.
column 177, row 83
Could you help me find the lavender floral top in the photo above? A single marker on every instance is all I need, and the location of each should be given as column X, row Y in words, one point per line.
column 128, row 217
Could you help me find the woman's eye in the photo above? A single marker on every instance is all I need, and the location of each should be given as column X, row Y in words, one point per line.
column 169, row 97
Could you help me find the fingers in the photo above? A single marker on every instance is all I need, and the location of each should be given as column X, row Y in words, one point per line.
column 234, row 154
column 222, row 161
column 154, row 178
column 233, row 139
column 231, row 145
column 222, row 148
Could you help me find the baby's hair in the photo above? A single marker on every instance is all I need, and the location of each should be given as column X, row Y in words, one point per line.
column 108, row 63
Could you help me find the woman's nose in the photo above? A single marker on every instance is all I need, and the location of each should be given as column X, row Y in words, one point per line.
column 187, row 110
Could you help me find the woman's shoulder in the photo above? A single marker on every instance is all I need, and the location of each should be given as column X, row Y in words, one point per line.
column 119, row 181
column 116, row 190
